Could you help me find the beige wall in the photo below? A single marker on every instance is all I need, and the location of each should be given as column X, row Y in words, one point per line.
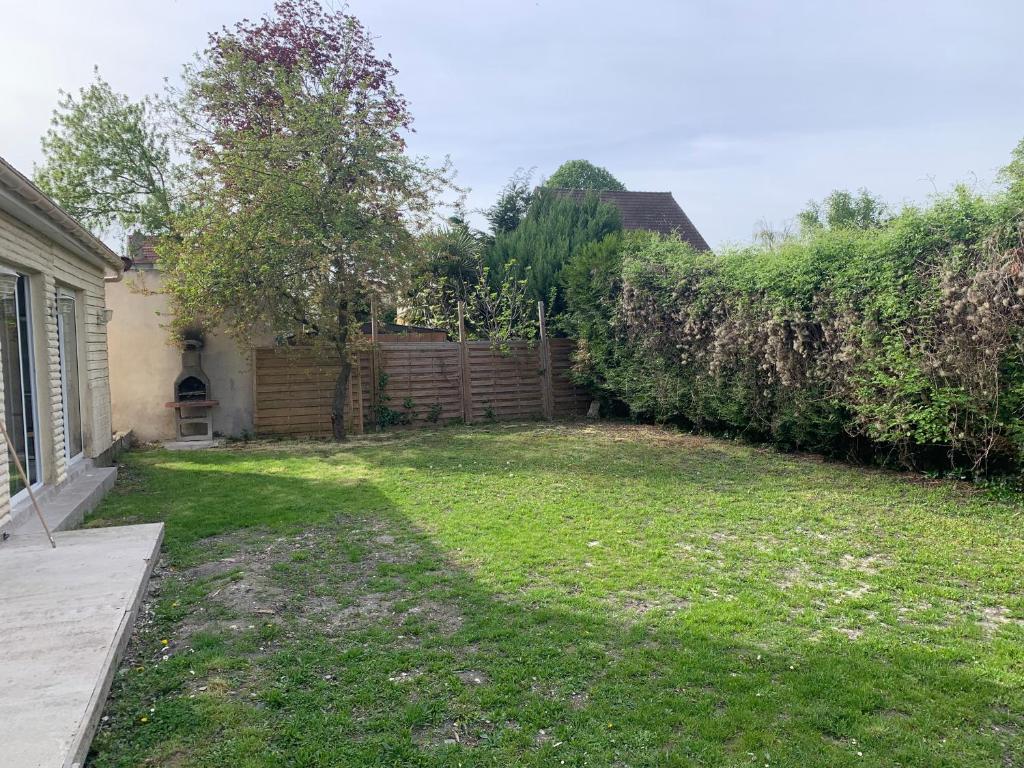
column 48, row 267
column 144, row 364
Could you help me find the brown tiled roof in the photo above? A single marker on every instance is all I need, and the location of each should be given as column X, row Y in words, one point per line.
column 141, row 248
column 652, row 211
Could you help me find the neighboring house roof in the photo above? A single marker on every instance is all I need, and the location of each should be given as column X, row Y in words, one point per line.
column 652, row 211
column 142, row 248
column 23, row 200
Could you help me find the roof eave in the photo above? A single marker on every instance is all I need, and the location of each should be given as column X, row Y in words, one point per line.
column 23, row 200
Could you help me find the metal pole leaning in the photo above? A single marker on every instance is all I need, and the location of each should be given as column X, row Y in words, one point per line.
column 28, row 485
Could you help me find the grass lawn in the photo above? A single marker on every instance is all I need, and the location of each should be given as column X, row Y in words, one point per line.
column 564, row 595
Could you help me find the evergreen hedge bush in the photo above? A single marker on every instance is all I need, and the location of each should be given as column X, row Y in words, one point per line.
column 904, row 341
column 553, row 231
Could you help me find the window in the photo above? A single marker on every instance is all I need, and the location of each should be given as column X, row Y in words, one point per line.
column 67, row 332
column 19, row 378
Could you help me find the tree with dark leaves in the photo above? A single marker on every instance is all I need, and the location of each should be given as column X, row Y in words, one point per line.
column 304, row 201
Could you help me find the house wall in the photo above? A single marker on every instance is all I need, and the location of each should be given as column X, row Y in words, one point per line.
column 144, row 364
column 50, row 266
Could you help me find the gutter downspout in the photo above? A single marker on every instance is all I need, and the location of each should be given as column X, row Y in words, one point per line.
column 127, row 262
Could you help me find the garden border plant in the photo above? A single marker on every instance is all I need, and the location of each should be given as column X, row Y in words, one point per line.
column 899, row 340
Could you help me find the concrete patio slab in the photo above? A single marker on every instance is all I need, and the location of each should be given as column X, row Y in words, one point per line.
column 66, row 618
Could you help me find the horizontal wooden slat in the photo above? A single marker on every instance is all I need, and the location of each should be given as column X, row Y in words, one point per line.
column 294, row 386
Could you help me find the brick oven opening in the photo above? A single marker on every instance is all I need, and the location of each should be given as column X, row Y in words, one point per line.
column 191, row 388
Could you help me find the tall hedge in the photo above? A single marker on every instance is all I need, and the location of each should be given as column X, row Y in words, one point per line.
column 905, row 341
column 553, row 231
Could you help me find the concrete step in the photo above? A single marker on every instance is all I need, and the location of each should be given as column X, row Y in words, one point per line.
column 64, row 507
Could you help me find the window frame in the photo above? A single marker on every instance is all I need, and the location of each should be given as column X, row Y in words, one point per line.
column 26, row 355
column 67, row 293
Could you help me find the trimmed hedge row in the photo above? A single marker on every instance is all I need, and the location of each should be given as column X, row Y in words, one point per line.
column 902, row 341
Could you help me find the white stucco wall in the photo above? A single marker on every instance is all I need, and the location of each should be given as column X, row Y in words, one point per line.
column 144, row 364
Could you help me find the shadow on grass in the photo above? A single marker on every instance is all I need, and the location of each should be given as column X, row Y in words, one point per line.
column 381, row 648
column 604, row 455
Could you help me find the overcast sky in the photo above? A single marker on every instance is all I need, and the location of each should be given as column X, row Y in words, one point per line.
column 743, row 110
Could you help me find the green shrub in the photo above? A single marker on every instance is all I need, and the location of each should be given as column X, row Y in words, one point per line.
column 555, row 228
column 904, row 339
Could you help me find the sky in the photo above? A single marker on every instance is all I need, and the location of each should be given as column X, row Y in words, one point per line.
column 743, row 110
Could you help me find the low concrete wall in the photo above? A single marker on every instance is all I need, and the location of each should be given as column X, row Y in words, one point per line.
column 144, row 364
column 121, row 443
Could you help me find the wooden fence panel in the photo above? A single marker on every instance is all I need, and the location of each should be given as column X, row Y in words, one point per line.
column 423, row 381
column 293, row 387
column 293, row 390
column 570, row 398
column 505, row 381
column 365, row 400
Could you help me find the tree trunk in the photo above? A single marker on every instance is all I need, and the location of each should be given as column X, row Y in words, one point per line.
column 340, row 399
column 344, row 353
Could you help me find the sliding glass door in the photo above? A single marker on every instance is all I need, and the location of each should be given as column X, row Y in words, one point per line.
column 67, row 331
column 19, row 379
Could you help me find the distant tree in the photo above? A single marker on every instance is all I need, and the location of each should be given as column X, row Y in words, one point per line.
column 844, row 210
column 1013, row 173
column 555, row 227
column 304, row 200
column 512, row 203
column 107, row 160
column 453, row 271
column 581, row 174
column 769, row 236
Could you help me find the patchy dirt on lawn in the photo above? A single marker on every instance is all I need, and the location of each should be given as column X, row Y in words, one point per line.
column 601, row 594
column 327, row 580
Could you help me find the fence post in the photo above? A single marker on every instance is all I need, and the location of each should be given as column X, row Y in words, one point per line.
column 374, row 367
column 467, row 393
column 547, row 398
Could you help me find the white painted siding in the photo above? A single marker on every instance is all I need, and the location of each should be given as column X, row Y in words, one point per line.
column 49, row 265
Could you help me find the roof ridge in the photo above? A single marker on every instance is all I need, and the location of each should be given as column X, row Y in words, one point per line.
column 652, row 211
column 34, row 199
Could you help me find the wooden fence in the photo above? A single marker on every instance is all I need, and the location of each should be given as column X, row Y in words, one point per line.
column 425, row 383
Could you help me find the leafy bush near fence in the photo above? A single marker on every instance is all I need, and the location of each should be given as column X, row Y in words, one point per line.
column 904, row 341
